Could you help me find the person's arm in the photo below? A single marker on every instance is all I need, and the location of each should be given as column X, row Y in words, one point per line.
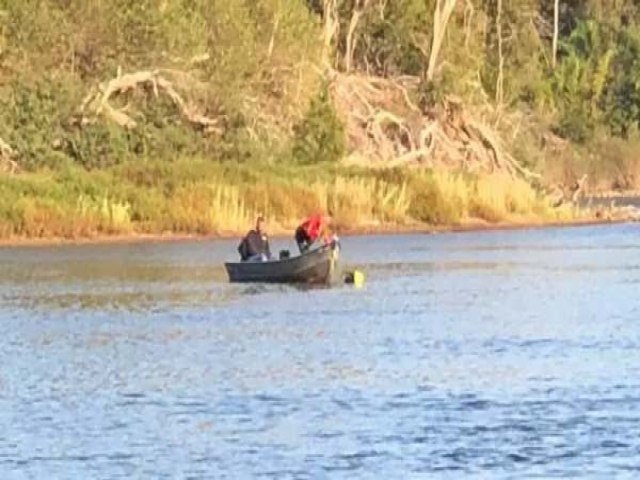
column 324, row 233
column 268, row 249
column 242, row 249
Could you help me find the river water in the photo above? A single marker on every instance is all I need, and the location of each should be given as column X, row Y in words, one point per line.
column 507, row 354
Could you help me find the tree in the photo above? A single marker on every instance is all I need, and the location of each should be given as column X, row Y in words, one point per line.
column 441, row 15
column 356, row 15
column 556, row 22
column 331, row 27
column 500, row 79
column 319, row 137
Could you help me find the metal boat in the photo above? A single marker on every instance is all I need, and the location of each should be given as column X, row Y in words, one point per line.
column 318, row 266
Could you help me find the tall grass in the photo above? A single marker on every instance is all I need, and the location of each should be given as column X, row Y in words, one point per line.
column 445, row 197
column 102, row 215
column 202, row 197
column 499, row 197
column 363, row 201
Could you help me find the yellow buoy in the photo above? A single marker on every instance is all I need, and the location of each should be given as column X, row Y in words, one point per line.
column 357, row 278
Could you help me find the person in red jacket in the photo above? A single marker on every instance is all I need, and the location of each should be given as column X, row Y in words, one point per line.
column 310, row 230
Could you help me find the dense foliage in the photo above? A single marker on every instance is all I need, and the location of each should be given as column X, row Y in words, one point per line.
column 260, row 68
column 263, row 59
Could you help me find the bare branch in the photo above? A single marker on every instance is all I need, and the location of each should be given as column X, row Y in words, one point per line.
column 97, row 103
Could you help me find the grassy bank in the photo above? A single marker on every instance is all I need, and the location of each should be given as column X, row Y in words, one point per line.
column 99, row 99
column 197, row 196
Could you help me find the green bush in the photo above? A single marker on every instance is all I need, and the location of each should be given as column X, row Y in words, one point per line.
column 320, row 136
column 32, row 114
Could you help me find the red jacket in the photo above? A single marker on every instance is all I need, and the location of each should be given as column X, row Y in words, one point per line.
column 312, row 226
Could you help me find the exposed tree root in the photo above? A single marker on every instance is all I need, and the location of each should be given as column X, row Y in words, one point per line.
column 385, row 126
column 97, row 103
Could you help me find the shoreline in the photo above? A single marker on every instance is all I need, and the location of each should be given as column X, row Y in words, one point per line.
column 466, row 227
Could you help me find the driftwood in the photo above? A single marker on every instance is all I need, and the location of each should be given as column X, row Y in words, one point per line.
column 8, row 163
column 568, row 194
column 97, row 103
column 385, row 126
column 577, row 189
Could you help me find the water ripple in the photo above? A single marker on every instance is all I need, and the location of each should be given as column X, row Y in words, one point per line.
column 489, row 355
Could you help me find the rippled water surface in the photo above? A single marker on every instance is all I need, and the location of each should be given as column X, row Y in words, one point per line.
column 490, row 355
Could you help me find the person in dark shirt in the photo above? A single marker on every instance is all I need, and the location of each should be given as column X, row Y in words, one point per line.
column 255, row 245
